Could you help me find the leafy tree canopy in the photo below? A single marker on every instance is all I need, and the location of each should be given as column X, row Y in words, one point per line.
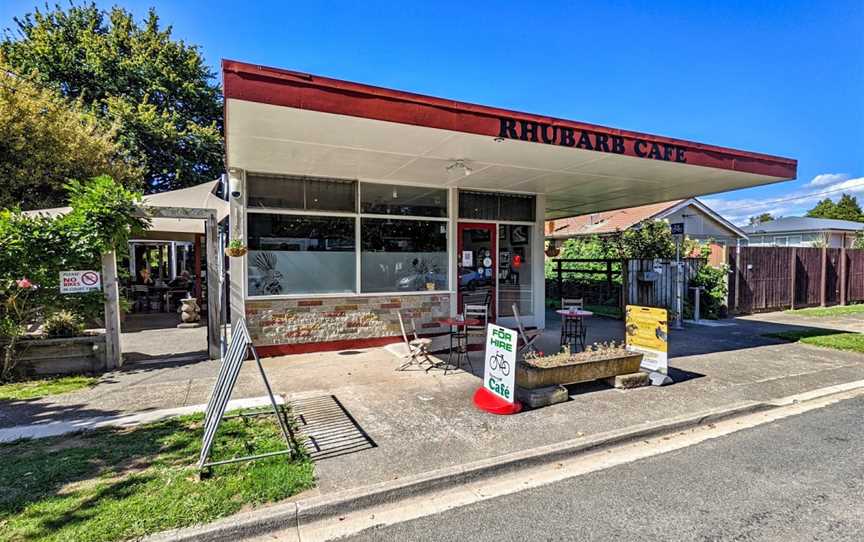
column 46, row 140
column 846, row 208
column 156, row 90
column 761, row 219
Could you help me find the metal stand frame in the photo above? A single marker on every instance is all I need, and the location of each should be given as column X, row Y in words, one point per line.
column 237, row 352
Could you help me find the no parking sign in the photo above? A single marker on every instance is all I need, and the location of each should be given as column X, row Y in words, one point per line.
column 72, row 282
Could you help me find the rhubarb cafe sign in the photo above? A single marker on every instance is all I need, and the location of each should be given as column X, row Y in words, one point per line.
column 564, row 136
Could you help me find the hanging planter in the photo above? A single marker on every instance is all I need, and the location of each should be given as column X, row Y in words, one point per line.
column 552, row 250
column 236, row 249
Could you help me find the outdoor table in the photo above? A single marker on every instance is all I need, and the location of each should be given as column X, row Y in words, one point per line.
column 461, row 338
column 572, row 327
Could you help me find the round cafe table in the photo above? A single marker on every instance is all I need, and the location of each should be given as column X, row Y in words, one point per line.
column 460, row 338
column 572, row 327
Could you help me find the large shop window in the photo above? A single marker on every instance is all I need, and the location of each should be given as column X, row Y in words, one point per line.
column 388, row 199
column 294, row 254
column 301, row 193
column 403, row 255
column 495, row 206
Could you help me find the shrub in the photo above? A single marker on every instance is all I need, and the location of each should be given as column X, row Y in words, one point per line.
column 63, row 324
column 34, row 249
column 712, row 280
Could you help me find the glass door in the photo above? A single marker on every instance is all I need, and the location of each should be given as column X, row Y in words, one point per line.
column 477, row 265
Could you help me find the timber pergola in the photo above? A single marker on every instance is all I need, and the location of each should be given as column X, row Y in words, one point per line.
column 214, row 282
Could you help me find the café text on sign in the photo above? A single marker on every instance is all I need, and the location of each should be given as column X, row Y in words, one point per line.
column 72, row 282
column 499, row 373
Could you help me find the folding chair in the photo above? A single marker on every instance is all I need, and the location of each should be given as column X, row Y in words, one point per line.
column 529, row 336
column 418, row 349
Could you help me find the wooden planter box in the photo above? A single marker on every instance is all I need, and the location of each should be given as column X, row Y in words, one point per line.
column 61, row 356
column 530, row 377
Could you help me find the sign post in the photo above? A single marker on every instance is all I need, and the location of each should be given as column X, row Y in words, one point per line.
column 498, row 393
column 678, row 231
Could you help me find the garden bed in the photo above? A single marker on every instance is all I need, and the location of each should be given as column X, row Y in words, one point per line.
column 73, row 355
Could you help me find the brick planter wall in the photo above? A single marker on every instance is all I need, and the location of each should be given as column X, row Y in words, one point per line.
column 340, row 320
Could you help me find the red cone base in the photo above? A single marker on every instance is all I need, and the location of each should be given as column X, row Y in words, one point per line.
column 488, row 401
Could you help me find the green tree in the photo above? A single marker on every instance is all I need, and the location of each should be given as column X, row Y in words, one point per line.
column 859, row 241
column 157, row 90
column 46, row 140
column 846, row 208
column 651, row 239
column 760, row 219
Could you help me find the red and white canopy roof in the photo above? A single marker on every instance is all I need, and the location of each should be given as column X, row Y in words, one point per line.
column 285, row 122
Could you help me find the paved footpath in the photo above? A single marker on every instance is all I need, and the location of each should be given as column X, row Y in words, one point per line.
column 418, row 421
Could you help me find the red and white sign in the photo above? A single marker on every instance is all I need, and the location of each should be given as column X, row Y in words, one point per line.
column 72, row 282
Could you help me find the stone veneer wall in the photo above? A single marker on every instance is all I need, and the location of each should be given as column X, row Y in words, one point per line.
column 299, row 321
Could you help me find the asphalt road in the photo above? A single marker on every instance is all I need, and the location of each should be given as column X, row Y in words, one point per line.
column 797, row 479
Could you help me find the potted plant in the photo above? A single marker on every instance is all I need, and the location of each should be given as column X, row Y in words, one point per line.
column 236, row 248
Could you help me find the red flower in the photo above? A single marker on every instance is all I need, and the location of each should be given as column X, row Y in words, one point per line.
column 23, row 283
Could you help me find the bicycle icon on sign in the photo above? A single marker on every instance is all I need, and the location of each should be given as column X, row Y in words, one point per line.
column 497, row 362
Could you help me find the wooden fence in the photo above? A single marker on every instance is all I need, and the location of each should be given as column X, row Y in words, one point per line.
column 652, row 283
column 596, row 281
column 775, row 278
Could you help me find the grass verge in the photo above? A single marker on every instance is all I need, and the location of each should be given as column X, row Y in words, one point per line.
column 33, row 389
column 116, row 484
column 839, row 310
column 826, row 338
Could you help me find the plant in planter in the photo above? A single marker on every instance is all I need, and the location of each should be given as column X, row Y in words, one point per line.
column 600, row 360
column 62, row 324
column 236, row 248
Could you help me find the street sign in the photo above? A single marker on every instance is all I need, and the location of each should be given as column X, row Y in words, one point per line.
column 72, row 282
column 647, row 331
column 677, row 228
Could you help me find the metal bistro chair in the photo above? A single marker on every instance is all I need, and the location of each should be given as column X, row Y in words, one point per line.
column 418, row 349
column 528, row 336
column 573, row 328
column 478, row 312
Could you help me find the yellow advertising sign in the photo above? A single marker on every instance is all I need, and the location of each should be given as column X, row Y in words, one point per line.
column 647, row 331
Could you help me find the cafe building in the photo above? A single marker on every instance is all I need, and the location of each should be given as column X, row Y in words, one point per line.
column 357, row 201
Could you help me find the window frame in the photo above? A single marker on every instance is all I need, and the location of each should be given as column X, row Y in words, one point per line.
column 358, row 217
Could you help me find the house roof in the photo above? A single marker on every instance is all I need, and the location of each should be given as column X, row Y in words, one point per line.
column 605, row 222
column 804, row 223
column 621, row 219
column 200, row 196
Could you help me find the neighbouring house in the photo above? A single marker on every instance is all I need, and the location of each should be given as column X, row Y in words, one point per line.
column 804, row 231
column 701, row 223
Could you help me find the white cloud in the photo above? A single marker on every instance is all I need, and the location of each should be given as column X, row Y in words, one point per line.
column 826, row 179
column 796, row 202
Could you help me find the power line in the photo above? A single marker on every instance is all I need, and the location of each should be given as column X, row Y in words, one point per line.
column 796, row 198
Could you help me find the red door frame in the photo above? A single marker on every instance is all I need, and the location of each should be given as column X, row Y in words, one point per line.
column 493, row 237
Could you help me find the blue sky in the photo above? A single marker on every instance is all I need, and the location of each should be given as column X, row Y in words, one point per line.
column 783, row 78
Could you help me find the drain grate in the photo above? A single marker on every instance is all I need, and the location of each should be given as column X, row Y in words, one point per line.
column 329, row 428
